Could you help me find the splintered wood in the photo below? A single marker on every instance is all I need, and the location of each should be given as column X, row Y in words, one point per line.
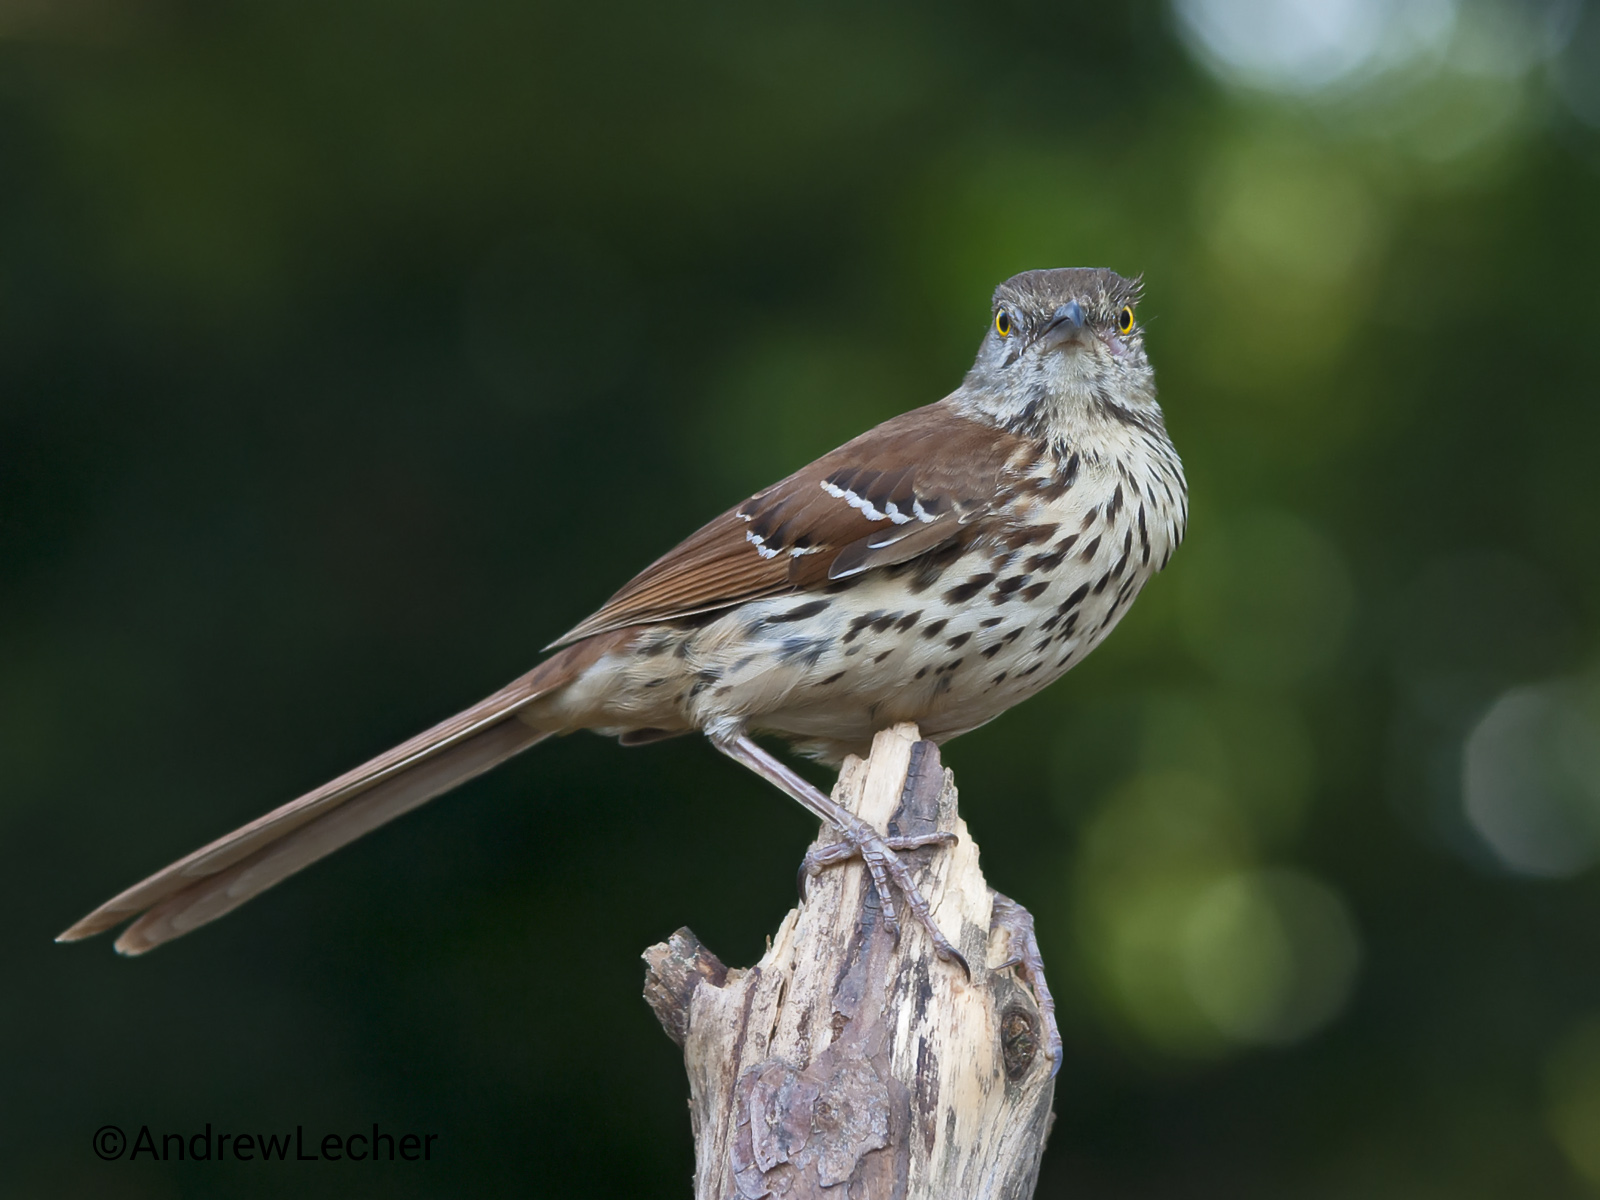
column 848, row 1067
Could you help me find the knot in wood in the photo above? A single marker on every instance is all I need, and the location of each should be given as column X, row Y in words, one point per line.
column 1019, row 1041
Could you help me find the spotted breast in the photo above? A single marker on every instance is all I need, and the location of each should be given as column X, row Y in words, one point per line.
column 1016, row 583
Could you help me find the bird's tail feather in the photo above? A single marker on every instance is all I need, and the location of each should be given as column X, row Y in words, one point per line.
column 219, row 877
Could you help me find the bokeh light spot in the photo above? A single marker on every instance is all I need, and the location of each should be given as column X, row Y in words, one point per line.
column 1276, row 209
column 1531, row 778
column 1157, row 844
column 1269, row 956
column 1302, row 46
column 1577, row 71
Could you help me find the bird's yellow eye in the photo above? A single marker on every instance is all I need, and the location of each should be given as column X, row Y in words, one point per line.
column 1125, row 319
column 1003, row 323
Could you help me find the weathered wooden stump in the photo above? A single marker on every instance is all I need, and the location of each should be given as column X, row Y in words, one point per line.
column 844, row 1065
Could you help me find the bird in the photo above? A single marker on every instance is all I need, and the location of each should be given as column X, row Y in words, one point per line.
column 938, row 569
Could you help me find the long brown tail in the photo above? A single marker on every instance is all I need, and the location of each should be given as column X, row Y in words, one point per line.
column 217, row 878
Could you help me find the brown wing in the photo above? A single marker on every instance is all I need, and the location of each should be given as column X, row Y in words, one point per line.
column 898, row 491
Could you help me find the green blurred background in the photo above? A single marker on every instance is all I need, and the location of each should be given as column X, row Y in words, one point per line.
column 351, row 351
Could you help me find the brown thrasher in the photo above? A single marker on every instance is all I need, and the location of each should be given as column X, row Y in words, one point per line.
column 937, row 569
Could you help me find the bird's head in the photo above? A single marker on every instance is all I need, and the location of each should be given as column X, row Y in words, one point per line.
column 1061, row 344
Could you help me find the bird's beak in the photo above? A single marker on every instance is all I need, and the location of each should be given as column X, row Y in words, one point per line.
column 1067, row 325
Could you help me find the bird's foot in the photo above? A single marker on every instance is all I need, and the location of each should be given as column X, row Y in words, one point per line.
column 1023, row 954
column 879, row 853
column 888, row 871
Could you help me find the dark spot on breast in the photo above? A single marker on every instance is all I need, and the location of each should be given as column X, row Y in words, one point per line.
column 934, row 628
column 834, row 678
column 963, row 592
column 1003, row 589
column 656, row 682
column 881, row 625
column 930, row 568
column 860, row 623
column 1127, row 549
column 990, row 622
column 960, row 640
column 1049, row 562
column 1028, row 535
column 950, row 666
column 804, row 651
column 1072, row 601
column 1012, row 636
column 1032, row 669
column 1089, row 519
column 1100, row 584
column 878, row 658
column 907, row 621
column 992, row 650
column 1115, row 504
column 921, row 673
column 1066, row 630
column 1000, row 678
column 1087, row 553
column 800, row 612
column 1144, row 539
column 1034, row 591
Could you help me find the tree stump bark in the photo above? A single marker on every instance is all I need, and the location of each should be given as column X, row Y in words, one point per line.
column 847, row 1066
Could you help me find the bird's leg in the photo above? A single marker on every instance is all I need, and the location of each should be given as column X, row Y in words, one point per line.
column 1023, row 950
column 875, row 850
